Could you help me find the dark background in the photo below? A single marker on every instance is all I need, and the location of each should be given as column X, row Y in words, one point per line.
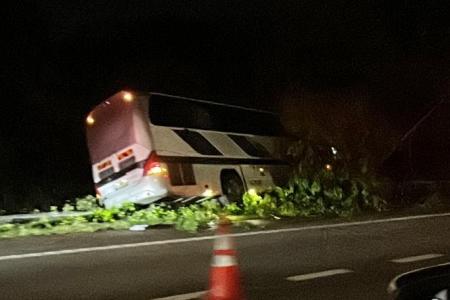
column 313, row 59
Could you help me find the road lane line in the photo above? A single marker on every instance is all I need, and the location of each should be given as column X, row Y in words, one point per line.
column 310, row 276
column 409, row 259
column 188, row 296
column 211, row 237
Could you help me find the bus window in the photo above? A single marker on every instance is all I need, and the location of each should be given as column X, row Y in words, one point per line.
column 186, row 113
column 252, row 149
column 198, row 142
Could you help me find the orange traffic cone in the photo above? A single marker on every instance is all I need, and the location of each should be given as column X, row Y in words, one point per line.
column 224, row 278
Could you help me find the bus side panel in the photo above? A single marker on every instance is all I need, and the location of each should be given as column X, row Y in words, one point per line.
column 207, row 176
column 257, row 177
column 224, row 144
column 276, row 146
column 167, row 142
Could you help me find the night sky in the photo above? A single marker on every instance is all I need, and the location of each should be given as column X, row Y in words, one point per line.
column 60, row 58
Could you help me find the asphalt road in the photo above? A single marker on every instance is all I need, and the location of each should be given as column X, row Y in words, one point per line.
column 359, row 259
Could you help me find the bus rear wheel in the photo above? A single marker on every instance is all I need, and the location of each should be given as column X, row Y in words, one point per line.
column 232, row 186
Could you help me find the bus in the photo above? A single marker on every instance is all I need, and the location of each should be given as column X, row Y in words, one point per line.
column 147, row 147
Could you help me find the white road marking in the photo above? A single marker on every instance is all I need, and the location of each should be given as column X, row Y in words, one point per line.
column 416, row 258
column 211, row 237
column 189, row 296
column 310, row 276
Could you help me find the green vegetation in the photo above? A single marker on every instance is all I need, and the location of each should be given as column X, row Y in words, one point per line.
column 326, row 195
column 323, row 184
column 189, row 218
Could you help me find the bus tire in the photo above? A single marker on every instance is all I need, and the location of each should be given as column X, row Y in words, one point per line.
column 232, row 186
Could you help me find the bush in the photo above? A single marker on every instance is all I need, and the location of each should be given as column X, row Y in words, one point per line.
column 87, row 203
column 261, row 206
column 327, row 182
column 104, row 215
column 194, row 216
column 153, row 215
column 233, row 209
column 326, row 194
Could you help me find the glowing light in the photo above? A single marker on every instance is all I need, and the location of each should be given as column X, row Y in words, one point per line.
column 252, row 192
column 334, row 150
column 98, row 195
column 128, row 97
column 155, row 170
column 208, row 193
column 261, row 170
column 328, row 167
column 90, row 120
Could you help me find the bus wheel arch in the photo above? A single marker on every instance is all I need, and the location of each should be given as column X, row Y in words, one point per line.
column 232, row 185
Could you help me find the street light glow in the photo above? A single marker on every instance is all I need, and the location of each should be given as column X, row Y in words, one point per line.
column 334, row 150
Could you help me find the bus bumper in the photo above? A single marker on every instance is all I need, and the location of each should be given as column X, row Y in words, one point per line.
column 147, row 191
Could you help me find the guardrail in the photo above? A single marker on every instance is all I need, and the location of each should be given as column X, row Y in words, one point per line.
column 17, row 218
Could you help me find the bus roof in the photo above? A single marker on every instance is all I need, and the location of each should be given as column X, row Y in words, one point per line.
column 214, row 103
column 102, row 104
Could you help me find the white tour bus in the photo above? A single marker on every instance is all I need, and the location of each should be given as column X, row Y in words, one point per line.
column 145, row 147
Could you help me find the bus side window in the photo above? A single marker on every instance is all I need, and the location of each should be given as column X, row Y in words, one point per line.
column 181, row 174
column 188, row 174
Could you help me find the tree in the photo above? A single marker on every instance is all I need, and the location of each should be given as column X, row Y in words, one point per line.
column 343, row 118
